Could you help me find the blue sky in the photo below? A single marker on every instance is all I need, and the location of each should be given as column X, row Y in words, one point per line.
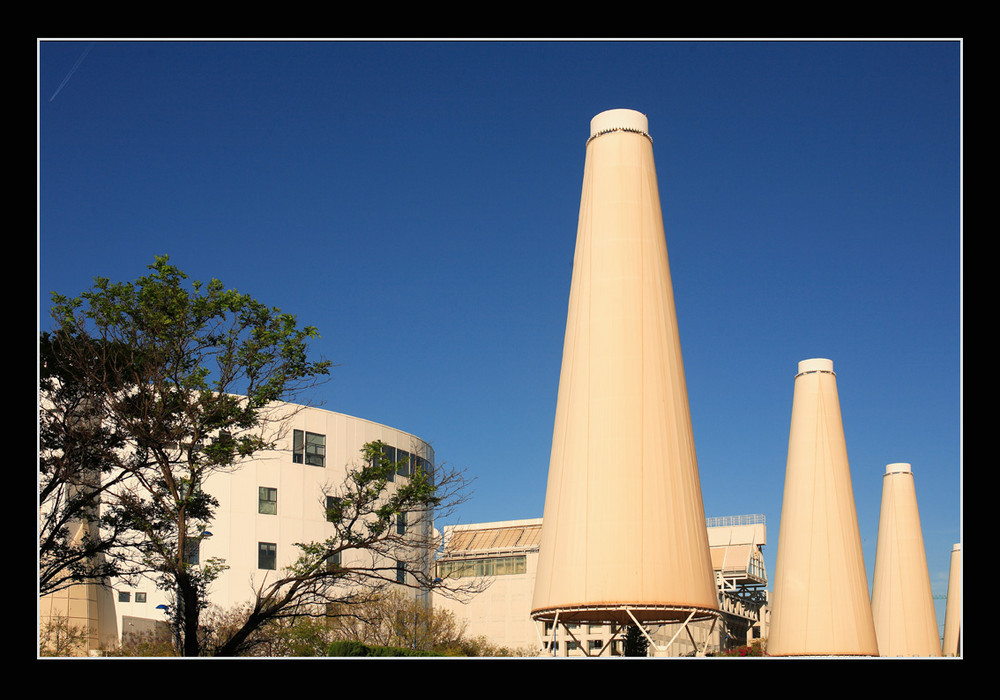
column 418, row 201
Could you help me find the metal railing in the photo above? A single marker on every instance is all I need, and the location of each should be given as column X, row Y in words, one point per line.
column 733, row 520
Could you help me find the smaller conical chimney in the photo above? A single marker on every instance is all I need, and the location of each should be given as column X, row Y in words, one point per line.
column 821, row 604
column 951, row 646
column 902, row 601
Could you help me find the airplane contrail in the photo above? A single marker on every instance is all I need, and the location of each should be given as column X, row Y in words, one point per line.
column 71, row 71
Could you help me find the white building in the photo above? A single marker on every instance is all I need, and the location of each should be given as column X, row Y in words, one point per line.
column 507, row 553
column 266, row 506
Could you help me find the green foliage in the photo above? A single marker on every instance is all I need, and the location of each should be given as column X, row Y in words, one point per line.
column 351, row 648
column 75, row 465
column 182, row 376
column 636, row 643
column 364, row 512
column 346, row 647
column 481, row 646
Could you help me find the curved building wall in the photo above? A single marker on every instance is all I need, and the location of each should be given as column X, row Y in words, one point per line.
column 243, row 535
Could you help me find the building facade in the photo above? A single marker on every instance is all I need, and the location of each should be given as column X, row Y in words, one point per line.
column 266, row 506
column 506, row 553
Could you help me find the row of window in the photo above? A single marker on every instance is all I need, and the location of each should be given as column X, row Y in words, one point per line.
column 267, row 558
column 594, row 645
column 126, row 597
column 580, row 627
column 310, row 448
column 476, row 568
column 267, row 504
column 406, row 462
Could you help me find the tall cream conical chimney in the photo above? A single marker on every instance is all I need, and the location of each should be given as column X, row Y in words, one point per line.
column 623, row 532
column 821, row 604
column 951, row 644
column 902, row 600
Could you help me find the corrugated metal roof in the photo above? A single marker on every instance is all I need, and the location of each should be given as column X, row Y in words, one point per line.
column 730, row 560
column 498, row 538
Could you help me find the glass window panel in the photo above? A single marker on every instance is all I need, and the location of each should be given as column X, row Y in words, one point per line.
column 267, row 500
column 333, row 562
column 494, row 566
column 298, row 442
column 332, row 502
column 267, row 555
column 315, row 449
column 389, row 452
column 192, row 550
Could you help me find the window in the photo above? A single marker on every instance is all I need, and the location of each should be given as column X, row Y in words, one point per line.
column 333, row 562
column 140, row 597
column 333, row 508
column 124, row 597
column 389, row 452
column 184, row 488
column 595, row 644
column 224, row 439
column 401, row 523
column 403, row 462
column 400, row 572
column 192, row 550
column 487, row 566
column 267, row 555
column 267, row 500
column 309, row 448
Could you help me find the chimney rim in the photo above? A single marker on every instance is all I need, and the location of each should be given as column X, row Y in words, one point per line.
column 815, row 364
column 619, row 120
column 898, row 468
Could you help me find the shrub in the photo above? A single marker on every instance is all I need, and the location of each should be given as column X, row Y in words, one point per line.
column 351, row 648
column 346, row 648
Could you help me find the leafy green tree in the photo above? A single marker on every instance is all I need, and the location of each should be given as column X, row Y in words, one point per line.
column 183, row 377
column 636, row 643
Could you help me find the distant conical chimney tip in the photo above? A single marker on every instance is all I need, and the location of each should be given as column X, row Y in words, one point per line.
column 619, row 120
column 816, row 365
column 898, row 468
